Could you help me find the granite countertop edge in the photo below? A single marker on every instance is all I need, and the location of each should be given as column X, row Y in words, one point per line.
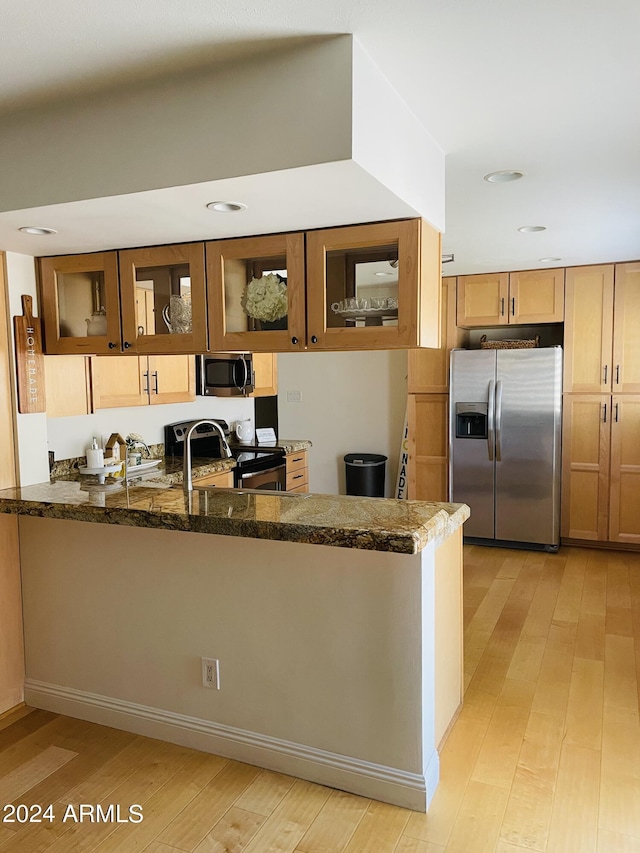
column 435, row 521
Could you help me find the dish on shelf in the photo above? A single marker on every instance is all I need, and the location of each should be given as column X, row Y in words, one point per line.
column 364, row 313
column 102, row 471
column 145, row 465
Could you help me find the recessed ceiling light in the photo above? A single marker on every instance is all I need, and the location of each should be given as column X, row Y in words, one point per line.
column 34, row 229
column 384, row 273
column 503, row 176
column 226, row 206
column 446, row 259
column 530, row 229
column 549, row 260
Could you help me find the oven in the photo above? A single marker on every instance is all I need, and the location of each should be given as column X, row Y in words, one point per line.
column 255, row 468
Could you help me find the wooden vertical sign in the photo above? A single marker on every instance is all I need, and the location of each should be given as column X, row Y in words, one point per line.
column 29, row 360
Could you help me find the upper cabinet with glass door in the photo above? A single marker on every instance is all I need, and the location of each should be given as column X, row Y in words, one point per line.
column 374, row 286
column 80, row 306
column 163, row 299
column 256, row 293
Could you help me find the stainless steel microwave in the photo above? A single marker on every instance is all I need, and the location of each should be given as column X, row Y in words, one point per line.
column 225, row 374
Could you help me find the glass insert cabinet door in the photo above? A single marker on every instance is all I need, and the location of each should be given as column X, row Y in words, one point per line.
column 363, row 286
column 256, row 293
column 163, row 300
column 80, row 306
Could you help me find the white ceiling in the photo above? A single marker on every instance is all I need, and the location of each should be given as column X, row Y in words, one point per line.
column 549, row 88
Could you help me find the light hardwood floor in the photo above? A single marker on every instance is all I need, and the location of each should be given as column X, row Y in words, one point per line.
column 544, row 756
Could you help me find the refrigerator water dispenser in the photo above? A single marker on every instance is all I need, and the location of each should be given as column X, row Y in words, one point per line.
column 471, row 420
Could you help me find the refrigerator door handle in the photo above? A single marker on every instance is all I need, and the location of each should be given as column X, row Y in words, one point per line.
column 491, row 429
column 499, row 420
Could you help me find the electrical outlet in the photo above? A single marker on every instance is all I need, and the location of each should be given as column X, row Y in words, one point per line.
column 294, row 396
column 211, row 673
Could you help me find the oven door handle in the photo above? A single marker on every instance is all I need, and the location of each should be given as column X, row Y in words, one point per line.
column 250, row 474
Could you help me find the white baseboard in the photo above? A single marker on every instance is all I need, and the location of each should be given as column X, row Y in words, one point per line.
column 389, row 784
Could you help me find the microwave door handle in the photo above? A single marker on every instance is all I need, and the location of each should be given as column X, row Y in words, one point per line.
column 240, row 386
column 499, row 421
column 491, row 430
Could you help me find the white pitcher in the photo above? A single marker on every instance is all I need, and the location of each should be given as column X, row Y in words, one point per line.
column 245, row 431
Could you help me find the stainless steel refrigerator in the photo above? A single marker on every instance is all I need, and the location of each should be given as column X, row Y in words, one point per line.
column 505, row 431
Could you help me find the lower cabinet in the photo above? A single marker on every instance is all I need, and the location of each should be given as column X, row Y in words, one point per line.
column 428, row 419
column 147, row 380
column 297, row 471
column 223, row 480
column 601, row 468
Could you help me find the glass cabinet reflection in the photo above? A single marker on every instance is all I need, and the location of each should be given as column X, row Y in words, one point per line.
column 256, row 293
column 163, row 299
column 362, row 287
column 80, row 305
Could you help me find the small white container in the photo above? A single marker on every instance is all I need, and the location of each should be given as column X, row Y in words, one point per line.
column 95, row 455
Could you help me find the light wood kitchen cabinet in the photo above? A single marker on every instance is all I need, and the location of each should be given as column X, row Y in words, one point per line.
column 601, row 468
column 358, row 287
column 297, row 471
column 517, row 298
column 234, row 264
column 147, row 380
column 624, row 506
column 428, row 422
column 175, row 299
column 586, row 429
column 482, row 299
column 428, row 406
column 265, row 370
column 602, row 329
column 588, row 329
column 625, row 364
column 80, row 304
column 222, row 481
column 428, row 369
column 68, row 385
column 374, row 286
column 143, row 301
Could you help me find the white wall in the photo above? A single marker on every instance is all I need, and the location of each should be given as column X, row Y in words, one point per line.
column 351, row 402
column 69, row 437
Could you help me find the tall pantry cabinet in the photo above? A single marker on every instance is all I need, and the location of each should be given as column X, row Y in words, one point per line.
column 601, row 422
column 428, row 406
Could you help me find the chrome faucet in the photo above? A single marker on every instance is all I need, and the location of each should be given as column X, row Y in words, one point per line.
column 187, row 476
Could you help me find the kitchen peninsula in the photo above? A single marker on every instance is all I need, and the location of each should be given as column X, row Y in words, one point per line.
column 336, row 622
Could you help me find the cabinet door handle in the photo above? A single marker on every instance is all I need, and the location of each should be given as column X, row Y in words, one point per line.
column 297, row 459
column 146, row 382
column 616, row 412
column 297, row 476
column 617, row 374
column 112, row 345
column 294, row 341
column 604, row 420
column 314, row 339
column 606, row 373
column 127, row 345
column 513, row 306
column 155, row 381
column 502, row 307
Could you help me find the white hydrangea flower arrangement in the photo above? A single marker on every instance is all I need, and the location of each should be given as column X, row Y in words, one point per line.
column 265, row 298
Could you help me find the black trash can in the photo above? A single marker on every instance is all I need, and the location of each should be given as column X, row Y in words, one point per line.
column 365, row 473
